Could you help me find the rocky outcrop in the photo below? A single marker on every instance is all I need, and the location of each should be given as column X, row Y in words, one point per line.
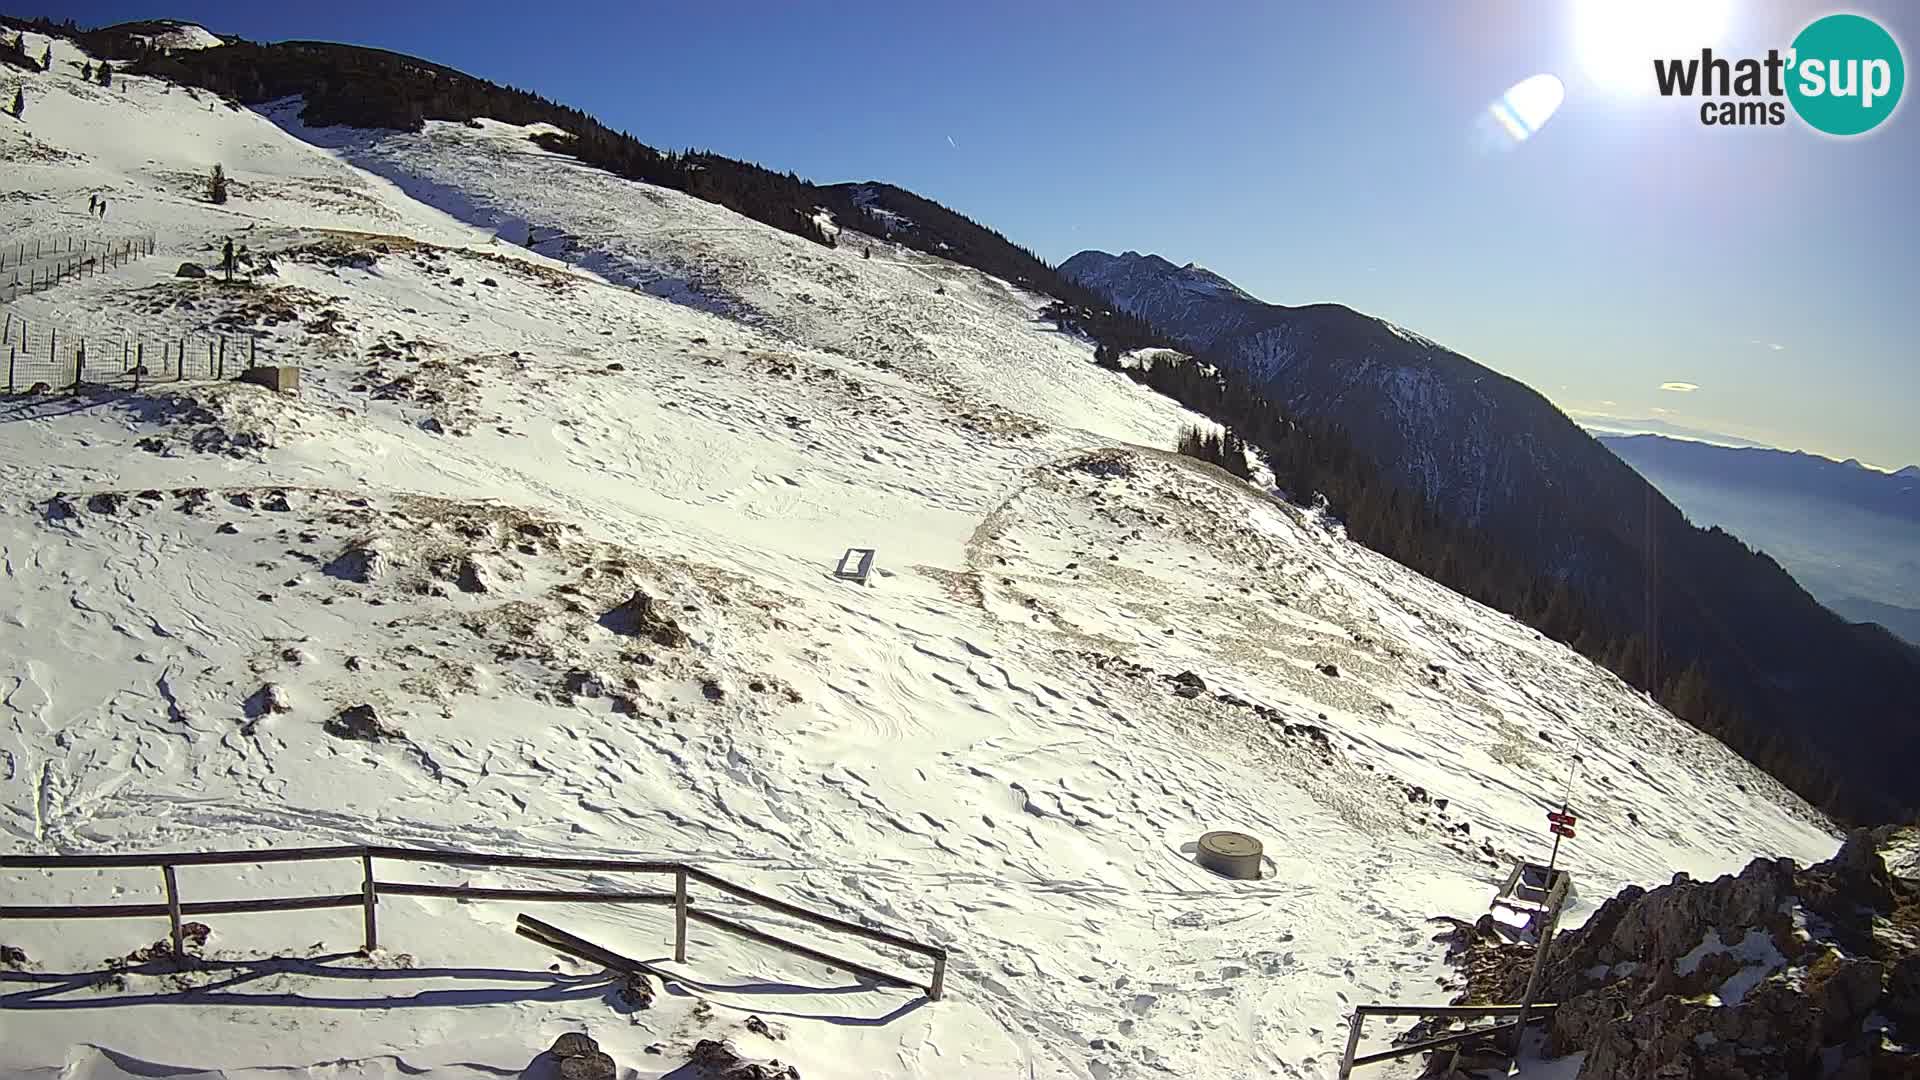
column 637, row 616
column 1774, row 972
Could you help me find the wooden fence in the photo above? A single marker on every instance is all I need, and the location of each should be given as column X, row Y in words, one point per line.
column 174, row 909
column 37, row 354
column 25, row 270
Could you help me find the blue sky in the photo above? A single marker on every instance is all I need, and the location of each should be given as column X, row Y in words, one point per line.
column 1309, row 153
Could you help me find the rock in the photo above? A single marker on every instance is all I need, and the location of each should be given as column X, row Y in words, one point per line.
column 574, row 1044
column 270, row 699
column 581, row 683
column 360, row 722
column 594, row 1066
column 490, row 283
column 190, row 270
column 360, row 562
column 106, row 502
column 1847, row 994
column 1188, row 685
column 40, row 388
column 712, row 691
column 637, row 617
column 12, row 956
column 432, row 425
column 277, row 502
column 227, row 528
column 1330, row 671
column 60, row 508
column 1416, row 793
column 718, row 1060
column 471, row 578
column 762, row 1028
column 241, row 499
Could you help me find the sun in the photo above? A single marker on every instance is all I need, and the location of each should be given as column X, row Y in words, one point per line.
column 1618, row 40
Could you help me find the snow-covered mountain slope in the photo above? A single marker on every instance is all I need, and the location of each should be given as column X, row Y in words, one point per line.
column 1078, row 654
column 1473, row 442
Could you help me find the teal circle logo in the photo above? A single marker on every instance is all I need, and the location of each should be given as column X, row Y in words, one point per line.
column 1846, row 74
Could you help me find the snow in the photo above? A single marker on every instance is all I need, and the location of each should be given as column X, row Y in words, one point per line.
column 979, row 750
column 1759, row 961
column 185, row 37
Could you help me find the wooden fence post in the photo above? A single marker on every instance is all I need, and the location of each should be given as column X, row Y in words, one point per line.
column 79, row 364
column 9, row 370
column 253, row 347
column 223, row 358
column 173, row 914
column 53, row 336
column 368, row 900
column 139, row 363
column 938, row 985
column 680, row 915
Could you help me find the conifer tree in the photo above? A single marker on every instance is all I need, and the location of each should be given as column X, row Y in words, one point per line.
column 19, row 102
column 217, row 185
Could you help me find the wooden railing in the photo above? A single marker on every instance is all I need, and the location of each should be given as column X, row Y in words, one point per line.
column 1526, row 1013
column 175, row 909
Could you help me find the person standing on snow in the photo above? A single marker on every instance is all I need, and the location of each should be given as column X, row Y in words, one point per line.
column 226, row 259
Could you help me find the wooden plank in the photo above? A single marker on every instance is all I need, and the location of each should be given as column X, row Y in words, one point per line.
column 1447, row 1010
column 529, row 862
column 147, row 911
column 764, row 938
column 558, row 896
column 831, row 923
column 173, row 914
column 559, row 940
column 680, row 916
column 1435, row 1044
column 369, row 896
column 183, row 858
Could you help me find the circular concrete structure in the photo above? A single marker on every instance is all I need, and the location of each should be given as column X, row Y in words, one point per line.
column 1231, row 854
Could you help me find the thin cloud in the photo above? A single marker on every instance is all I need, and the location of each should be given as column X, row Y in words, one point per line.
column 1774, row 345
column 1658, row 411
column 1610, row 404
column 951, row 143
column 1679, row 387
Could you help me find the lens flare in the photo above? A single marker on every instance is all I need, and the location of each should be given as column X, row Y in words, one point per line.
column 1526, row 107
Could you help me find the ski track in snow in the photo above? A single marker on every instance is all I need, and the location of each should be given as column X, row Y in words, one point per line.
column 982, row 749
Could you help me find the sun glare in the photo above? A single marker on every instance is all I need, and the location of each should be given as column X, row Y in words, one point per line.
column 1618, row 40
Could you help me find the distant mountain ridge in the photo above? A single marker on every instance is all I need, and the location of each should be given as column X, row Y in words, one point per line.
column 1796, row 472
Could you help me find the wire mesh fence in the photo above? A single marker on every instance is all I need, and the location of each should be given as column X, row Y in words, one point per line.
column 42, row 359
column 30, row 267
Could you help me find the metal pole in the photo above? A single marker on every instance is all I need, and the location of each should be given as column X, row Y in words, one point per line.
column 1353, row 1044
column 680, row 916
column 1555, row 899
column 369, row 899
column 173, row 914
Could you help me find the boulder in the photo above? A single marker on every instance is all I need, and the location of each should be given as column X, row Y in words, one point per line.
column 637, row 617
column 360, row 722
column 190, row 270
